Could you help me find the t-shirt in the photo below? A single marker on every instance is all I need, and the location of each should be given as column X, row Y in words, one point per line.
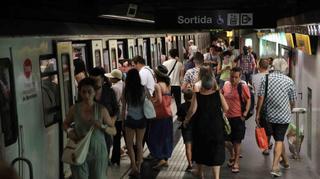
column 147, row 79
column 232, row 97
column 175, row 74
column 256, row 81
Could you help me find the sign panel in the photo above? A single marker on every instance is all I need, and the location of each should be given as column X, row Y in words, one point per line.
column 224, row 19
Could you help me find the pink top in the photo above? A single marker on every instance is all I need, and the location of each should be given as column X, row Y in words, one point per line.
column 231, row 95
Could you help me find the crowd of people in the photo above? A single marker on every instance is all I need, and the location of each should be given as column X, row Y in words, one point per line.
column 213, row 84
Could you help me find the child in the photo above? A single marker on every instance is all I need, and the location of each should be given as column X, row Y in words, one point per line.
column 186, row 132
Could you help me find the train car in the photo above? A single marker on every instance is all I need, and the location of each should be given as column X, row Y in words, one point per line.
column 38, row 85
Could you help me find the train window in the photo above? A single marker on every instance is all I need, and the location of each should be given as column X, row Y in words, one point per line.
column 131, row 52
column 120, row 50
column 50, row 90
column 140, row 50
column 67, row 88
column 97, row 57
column 113, row 58
column 8, row 112
column 152, row 56
column 144, row 52
column 106, row 63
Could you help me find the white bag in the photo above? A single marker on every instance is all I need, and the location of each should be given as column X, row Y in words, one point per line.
column 148, row 109
column 76, row 153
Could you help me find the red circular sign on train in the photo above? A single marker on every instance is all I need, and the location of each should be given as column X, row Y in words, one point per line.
column 27, row 67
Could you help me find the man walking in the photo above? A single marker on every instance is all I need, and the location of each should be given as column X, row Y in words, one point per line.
column 281, row 96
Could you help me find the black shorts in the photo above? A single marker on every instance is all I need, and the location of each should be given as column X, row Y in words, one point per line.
column 238, row 130
column 279, row 131
column 135, row 123
column 266, row 125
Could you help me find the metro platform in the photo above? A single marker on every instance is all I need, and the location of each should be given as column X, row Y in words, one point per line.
column 253, row 165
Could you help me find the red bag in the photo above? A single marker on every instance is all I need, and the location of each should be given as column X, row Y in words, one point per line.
column 262, row 139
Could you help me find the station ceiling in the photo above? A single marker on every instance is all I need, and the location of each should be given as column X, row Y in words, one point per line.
column 87, row 11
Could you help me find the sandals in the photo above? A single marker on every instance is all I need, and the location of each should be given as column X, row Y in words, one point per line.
column 235, row 169
column 230, row 162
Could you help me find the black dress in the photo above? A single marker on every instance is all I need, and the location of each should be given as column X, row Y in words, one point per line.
column 208, row 131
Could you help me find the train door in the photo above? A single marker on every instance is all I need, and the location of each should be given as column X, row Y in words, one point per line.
column 66, row 75
column 153, row 55
column 146, row 51
column 286, row 53
column 113, row 54
column 96, row 46
column 131, row 48
column 140, row 47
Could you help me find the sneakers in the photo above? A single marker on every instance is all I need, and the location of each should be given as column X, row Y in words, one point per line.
column 276, row 173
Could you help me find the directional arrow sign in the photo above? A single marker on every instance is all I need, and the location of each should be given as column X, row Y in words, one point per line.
column 246, row 19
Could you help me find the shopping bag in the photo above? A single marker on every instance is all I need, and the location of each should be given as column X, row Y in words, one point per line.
column 75, row 153
column 227, row 127
column 261, row 138
column 294, row 146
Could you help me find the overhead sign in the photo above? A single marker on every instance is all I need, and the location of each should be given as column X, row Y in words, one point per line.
column 226, row 19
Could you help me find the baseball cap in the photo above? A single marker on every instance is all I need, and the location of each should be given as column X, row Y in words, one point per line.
column 115, row 73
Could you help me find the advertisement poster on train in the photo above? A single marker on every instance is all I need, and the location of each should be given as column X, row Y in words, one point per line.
column 29, row 87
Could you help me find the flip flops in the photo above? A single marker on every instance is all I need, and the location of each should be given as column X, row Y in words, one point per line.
column 235, row 169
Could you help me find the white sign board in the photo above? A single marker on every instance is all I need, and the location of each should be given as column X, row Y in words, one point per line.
column 246, row 19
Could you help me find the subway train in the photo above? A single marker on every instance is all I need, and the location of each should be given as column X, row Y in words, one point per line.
column 37, row 86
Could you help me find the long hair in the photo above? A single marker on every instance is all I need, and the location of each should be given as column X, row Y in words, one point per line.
column 206, row 77
column 133, row 90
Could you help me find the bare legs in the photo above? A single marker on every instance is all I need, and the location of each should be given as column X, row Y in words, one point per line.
column 236, row 148
column 279, row 150
column 130, row 133
column 216, row 172
column 189, row 153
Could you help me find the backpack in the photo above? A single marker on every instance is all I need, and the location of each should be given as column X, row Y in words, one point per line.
column 243, row 102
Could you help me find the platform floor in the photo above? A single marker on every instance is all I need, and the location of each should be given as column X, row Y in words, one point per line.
column 253, row 165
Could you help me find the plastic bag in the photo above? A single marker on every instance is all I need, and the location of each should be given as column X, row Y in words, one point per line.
column 261, row 138
column 292, row 139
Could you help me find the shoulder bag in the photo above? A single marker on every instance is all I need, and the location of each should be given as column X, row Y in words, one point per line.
column 148, row 108
column 75, row 153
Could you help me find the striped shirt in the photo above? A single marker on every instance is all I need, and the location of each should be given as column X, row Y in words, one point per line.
column 281, row 90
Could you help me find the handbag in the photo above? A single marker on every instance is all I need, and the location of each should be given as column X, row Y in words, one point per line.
column 261, row 138
column 148, row 108
column 75, row 153
column 227, row 127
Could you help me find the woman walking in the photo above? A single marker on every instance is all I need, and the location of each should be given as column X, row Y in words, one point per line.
column 86, row 114
column 208, row 125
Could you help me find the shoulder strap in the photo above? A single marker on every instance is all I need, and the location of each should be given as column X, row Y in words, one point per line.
column 173, row 68
column 150, row 72
column 266, row 87
column 239, row 88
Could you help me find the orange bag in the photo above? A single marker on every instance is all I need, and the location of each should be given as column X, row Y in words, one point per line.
column 262, row 139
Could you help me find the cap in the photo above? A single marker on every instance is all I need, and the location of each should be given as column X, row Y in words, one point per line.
column 115, row 74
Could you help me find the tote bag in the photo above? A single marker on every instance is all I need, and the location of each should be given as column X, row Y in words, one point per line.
column 261, row 138
column 148, row 109
column 75, row 153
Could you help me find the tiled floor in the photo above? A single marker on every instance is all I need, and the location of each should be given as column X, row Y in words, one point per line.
column 253, row 165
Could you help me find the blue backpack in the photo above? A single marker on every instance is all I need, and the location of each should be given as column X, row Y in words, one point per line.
column 243, row 102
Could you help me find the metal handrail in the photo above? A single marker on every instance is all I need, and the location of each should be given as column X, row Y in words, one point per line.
column 28, row 163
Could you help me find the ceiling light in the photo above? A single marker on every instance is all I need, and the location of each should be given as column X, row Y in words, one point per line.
column 126, row 18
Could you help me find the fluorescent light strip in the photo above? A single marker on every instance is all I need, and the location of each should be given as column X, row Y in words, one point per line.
column 127, row 18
